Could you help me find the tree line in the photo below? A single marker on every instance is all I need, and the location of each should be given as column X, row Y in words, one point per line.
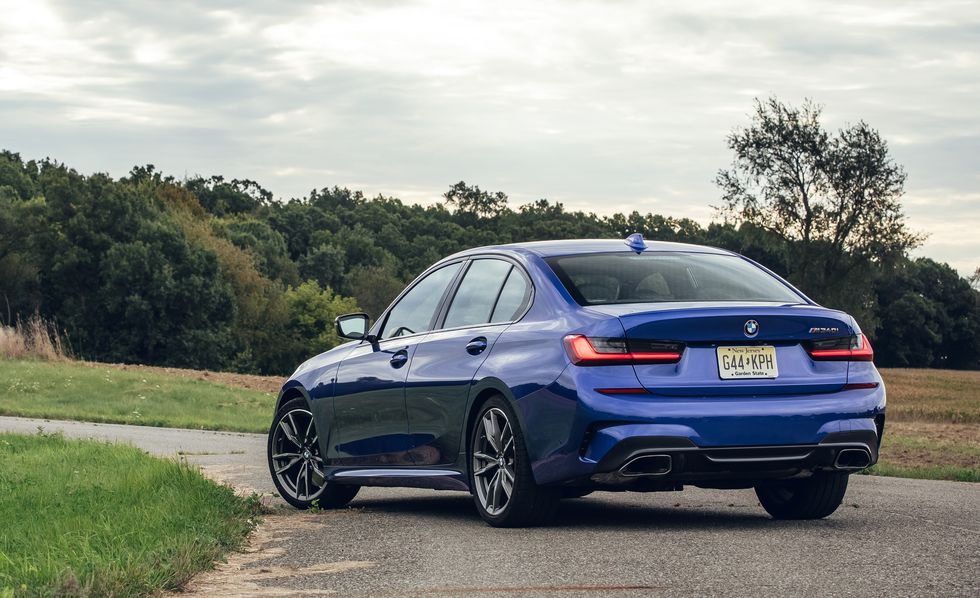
column 217, row 274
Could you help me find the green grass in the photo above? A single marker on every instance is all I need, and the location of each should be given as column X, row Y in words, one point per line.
column 929, row 472
column 84, row 518
column 66, row 390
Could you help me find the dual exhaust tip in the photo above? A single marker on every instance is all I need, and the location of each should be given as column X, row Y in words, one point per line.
column 647, row 465
column 852, row 458
column 660, row 465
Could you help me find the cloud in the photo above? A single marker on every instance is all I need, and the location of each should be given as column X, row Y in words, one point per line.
column 601, row 105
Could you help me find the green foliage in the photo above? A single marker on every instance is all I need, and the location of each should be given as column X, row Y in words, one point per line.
column 312, row 311
column 223, row 198
column 85, row 518
column 374, row 288
column 929, row 317
column 325, row 263
column 265, row 245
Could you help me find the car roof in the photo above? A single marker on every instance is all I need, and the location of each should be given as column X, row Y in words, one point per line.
column 546, row 249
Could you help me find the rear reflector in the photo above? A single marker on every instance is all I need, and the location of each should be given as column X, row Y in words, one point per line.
column 583, row 350
column 848, row 348
column 622, row 391
column 861, row 386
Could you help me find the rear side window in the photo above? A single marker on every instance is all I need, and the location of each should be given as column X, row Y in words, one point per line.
column 477, row 293
column 511, row 298
column 604, row 278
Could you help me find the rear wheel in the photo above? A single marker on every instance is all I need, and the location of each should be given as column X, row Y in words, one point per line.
column 500, row 471
column 296, row 464
column 811, row 498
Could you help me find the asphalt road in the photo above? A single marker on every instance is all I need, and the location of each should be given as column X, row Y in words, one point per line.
column 893, row 537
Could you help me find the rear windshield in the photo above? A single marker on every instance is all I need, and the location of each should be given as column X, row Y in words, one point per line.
column 604, row 278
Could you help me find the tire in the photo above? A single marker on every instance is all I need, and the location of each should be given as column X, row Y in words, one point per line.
column 295, row 462
column 812, row 498
column 504, row 458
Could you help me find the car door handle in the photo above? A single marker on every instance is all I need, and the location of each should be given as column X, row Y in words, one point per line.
column 476, row 346
column 399, row 359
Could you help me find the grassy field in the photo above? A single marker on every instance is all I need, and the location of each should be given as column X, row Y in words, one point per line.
column 99, row 393
column 933, row 425
column 84, row 518
column 946, row 396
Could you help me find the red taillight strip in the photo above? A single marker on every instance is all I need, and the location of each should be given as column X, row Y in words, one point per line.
column 623, row 391
column 862, row 353
column 581, row 352
column 861, row 386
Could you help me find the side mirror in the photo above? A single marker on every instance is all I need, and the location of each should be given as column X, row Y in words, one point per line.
column 353, row 326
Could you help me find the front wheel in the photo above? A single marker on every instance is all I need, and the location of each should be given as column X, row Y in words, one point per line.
column 500, row 471
column 296, row 464
column 811, row 498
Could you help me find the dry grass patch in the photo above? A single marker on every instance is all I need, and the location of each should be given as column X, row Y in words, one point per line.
column 930, row 444
column 268, row 384
column 933, row 395
column 33, row 338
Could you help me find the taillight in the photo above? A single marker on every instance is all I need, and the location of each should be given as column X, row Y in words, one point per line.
column 583, row 350
column 848, row 348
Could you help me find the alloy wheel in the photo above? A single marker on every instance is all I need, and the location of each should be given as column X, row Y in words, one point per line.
column 494, row 461
column 296, row 459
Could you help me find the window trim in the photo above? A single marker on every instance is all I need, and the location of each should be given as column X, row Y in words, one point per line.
column 381, row 322
column 526, row 302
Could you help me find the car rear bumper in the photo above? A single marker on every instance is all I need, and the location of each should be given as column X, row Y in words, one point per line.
column 708, row 439
column 645, row 461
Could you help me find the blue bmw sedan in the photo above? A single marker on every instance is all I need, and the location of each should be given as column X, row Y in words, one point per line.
column 532, row 372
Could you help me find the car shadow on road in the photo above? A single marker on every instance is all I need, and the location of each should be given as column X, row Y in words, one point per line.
column 590, row 512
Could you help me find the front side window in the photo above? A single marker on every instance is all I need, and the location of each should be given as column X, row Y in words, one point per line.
column 604, row 278
column 416, row 310
column 477, row 294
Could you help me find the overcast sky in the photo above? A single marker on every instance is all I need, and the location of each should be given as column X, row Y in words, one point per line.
column 605, row 106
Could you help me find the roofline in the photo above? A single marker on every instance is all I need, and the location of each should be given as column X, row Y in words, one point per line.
column 548, row 249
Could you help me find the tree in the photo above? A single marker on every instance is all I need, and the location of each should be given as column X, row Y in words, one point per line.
column 374, row 287
column 833, row 198
column 221, row 197
column 266, row 246
column 325, row 264
column 930, row 318
column 474, row 201
column 312, row 311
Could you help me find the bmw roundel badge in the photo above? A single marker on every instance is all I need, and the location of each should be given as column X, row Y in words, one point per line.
column 751, row 328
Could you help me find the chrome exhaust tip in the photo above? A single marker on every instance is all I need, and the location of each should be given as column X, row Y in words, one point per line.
column 647, row 465
column 852, row 458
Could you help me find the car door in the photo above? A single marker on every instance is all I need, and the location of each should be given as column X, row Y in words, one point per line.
column 370, row 420
column 491, row 294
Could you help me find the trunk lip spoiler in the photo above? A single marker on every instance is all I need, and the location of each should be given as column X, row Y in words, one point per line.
column 621, row 310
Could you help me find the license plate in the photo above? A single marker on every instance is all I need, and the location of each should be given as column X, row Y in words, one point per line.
column 742, row 363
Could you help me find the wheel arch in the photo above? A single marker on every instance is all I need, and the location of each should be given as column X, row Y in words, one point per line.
column 291, row 390
column 481, row 393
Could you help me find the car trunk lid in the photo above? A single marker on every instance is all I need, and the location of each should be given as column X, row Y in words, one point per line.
column 704, row 327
